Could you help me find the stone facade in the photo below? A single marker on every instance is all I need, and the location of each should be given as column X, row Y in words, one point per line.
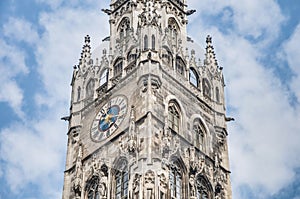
column 147, row 117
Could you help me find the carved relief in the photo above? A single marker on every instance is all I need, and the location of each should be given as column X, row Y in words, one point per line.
column 149, row 16
column 136, row 183
column 149, row 177
column 192, row 186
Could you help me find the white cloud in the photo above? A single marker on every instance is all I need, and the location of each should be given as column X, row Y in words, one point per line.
column 292, row 52
column 34, row 150
column 53, row 4
column 60, row 47
column 20, row 30
column 34, row 153
column 264, row 139
column 254, row 18
column 12, row 64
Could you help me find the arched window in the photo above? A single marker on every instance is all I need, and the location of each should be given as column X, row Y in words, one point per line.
column 203, row 191
column 174, row 29
column 121, row 180
column 124, row 28
column 145, row 42
column 118, row 67
column 173, row 117
column 104, row 77
column 206, row 88
column 176, row 174
column 217, row 94
column 194, row 77
column 167, row 56
column 132, row 55
column 78, row 93
column 93, row 188
column 180, row 66
column 200, row 136
column 90, row 88
column 153, row 42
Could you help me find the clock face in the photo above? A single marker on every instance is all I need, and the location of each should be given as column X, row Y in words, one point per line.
column 109, row 118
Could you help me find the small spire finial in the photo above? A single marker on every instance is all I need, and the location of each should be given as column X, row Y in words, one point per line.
column 87, row 39
column 208, row 40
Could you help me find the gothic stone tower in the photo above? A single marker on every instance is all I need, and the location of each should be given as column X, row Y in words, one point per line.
column 147, row 117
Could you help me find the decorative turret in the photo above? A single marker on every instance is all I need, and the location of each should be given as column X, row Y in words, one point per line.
column 210, row 56
column 85, row 61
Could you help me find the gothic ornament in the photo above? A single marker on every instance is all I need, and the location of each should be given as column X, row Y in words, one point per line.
column 149, row 16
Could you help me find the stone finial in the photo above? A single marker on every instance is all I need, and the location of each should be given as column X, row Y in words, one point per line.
column 87, row 40
column 208, row 40
column 210, row 56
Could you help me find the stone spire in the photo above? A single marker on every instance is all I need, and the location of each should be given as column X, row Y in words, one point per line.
column 85, row 59
column 210, row 56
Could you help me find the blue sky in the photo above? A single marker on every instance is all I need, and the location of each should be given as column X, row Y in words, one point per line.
column 256, row 41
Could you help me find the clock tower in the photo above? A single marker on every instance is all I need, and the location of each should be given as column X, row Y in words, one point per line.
column 147, row 116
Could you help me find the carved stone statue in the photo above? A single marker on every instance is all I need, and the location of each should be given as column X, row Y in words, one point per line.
column 102, row 186
column 192, row 186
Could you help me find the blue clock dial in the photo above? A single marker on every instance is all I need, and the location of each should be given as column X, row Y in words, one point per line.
column 109, row 118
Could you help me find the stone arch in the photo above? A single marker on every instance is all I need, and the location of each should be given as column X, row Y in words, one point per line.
column 167, row 56
column 180, row 65
column 204, row 188
column 118, row 66
column 120, row 178
column 177, row 177
column 194, row 77
column 90, row 87
column 173, row 98
column 206, row 88
column 124, row 27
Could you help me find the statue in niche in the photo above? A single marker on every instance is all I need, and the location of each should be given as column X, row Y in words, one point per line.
column 132, row 145
column 136, row 183
column 102, row 186
column 201, row 164
column 192, row 186
column 94, row 167
column 192, row 157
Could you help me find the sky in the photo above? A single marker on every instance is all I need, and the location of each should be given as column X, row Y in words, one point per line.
column 257, row 42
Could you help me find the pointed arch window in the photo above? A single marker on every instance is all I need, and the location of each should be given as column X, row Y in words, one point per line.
column 194, row 80
column 121, row 180
column 167, row 57
column 90, row 88
column 200, row 136
column 174, row 117
column 206, row 88
column 104, row 77
column 174, row 29
column 153, row 42
column 78, row 93
column 124, row 28
column 180, row 66
column 203, row 191
column 145, row 42
column 118, row 67
column 93, row 188
column 176, row 180
column 217, row 94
